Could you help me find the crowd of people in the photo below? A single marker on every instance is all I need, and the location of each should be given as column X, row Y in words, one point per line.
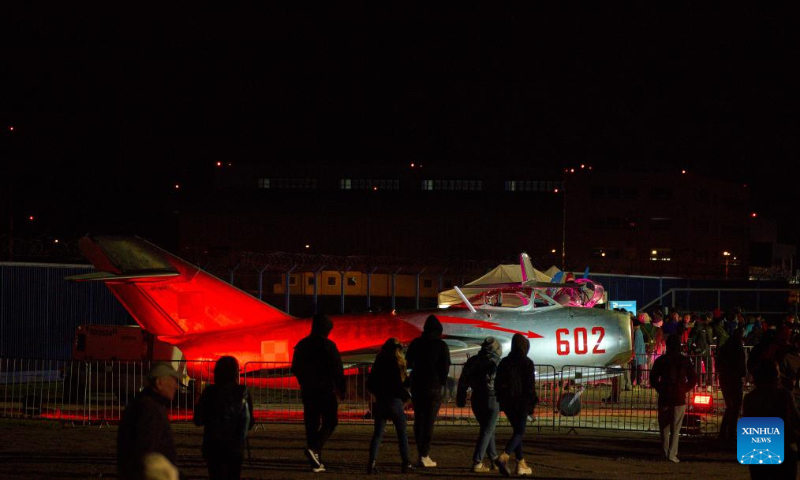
column 698, row 350
column 671, row 355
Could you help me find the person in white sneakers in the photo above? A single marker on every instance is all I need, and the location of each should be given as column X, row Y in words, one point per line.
column 428, row 359
column 515, row 387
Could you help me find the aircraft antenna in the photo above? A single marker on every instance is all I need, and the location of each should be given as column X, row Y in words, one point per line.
column 464, row 299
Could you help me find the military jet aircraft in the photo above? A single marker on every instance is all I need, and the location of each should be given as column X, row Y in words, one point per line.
column 206, row 317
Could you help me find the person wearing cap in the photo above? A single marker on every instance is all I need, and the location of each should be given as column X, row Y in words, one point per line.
column 428, row 358
column 318, row 367
column 144, row 427
column 478, row 375
column 673, row 376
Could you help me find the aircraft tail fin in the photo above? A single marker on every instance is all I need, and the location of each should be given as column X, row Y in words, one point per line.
column 168, row 296
column 526, row 267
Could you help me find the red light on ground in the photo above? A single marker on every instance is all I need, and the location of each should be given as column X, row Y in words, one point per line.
column 754, row 214
column 704, row 400
column 11, row 128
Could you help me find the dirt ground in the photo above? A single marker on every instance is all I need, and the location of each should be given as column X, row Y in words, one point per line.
column 41, row 449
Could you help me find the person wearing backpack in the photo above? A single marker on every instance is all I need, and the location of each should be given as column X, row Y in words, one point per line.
column 226, row 412
column 387, row 381
column 515, row 389
column 478, row 375
column 673, row 376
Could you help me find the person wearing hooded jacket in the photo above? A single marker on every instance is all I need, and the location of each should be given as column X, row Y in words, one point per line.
column 478, row 375
column 673, row 376
column 318, row 367
column 515, row 387
column 428, row 358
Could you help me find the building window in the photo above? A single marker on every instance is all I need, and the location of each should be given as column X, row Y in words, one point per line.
column 351, row 281
column 312, row 280
column 661, row 255
column 293, row 280
column 427, row 284
column 369, row 184
column 331, row 281
column 263, row 183
column 427, row 184
column 293, row 184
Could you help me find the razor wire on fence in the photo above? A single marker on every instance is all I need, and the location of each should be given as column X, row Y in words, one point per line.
column 574, row 397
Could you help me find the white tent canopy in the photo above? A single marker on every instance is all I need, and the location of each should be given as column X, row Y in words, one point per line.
column 499, row 274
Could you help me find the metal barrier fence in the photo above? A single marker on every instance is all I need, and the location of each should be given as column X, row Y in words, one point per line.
column 92, row 393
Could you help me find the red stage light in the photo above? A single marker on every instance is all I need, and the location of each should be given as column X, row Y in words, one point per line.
column 702, row 400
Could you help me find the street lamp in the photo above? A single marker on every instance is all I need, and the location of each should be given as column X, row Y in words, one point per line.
column 727, row 255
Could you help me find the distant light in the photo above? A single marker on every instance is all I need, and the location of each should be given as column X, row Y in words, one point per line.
column 308, row 246
column 566, row 170
column 11, row 128
column 754, row 214
column 683, row 172
column 177, row 186
column 734, row 258
column 55, row 241
column 654, row 252
column 555, row 191
column 374, row 189
column 571, row 170
column 230, row 164
column 590, row 167
column 219, row 164
column 603, row 254
column 727, row 254
column 583, row 166
column 553, row 251
column 412, row 165
column 420, row 165
column 31, row 218
column 744, row 185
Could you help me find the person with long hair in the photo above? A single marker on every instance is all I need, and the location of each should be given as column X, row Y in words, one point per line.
column 387, row 381
column 226, row 412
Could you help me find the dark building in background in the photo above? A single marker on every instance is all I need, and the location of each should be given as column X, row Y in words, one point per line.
column 660, row 224
column 666, row 224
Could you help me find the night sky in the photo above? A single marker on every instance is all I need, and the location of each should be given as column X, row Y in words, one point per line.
column 110, row 109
